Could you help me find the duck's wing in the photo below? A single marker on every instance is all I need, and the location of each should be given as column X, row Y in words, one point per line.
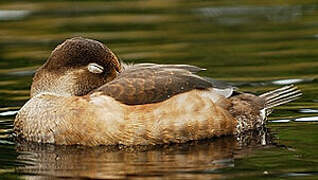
column 152, row 83
column 191, row 68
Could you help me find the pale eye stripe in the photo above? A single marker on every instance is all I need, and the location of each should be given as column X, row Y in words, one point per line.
column 95, row 68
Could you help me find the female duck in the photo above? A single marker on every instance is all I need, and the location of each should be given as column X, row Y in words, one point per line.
column 84, row 95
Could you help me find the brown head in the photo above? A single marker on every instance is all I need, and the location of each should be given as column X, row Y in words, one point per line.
column 76, row 67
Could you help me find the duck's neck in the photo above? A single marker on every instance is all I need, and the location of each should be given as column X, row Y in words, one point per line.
column 47, row 82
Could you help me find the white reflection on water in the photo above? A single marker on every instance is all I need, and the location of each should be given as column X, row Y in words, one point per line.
column 22, row 73
column 281, row 121
column 301, row 119
column 297, row 174
column 307, row 119
column 291, row 81
column 308, row 110
column 239, row 14
column 6, row 15
column 287, row 81
column 8, row 113
column 279, row 82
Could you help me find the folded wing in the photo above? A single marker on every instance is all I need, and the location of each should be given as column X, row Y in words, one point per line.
column 152, row 83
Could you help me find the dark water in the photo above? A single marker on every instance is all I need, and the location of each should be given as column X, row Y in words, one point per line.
column 257, row 45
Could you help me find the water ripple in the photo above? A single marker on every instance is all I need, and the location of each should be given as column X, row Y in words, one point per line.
column 239, row 14
column 307, row 119
column 296, row 174
column 6, row 142
column 6, row 15
column 8, row 113
column 288, row 81
column 301, row 119
column 281, row 121
column 276, row 82
column 308, row 110
column 22, row 73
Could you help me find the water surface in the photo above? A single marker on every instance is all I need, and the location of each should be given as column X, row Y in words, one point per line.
column 256, row 45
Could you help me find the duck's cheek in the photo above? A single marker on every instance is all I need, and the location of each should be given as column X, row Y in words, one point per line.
column 96, row 81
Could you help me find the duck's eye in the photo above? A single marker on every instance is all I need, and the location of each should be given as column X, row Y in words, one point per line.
column 95, row 68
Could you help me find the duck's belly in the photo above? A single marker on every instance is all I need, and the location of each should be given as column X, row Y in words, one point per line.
column 98, row 119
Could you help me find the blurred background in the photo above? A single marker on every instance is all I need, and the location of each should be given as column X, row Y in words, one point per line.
column 256, row 45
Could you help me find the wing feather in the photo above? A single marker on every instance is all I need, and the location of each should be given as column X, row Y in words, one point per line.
column 152, row 83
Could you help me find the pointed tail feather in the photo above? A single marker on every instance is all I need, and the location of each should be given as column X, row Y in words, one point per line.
column 281, row 96
column 264, row 103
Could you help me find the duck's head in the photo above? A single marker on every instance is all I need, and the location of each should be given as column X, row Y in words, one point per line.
column 76, row 67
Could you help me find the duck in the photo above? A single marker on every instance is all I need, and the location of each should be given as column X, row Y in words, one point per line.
column 84, row 95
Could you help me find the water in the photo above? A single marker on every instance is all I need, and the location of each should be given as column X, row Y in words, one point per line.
column 257, row 45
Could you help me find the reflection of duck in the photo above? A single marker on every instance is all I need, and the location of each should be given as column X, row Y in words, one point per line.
column 84, row 95
column 193, row 160
column 178, row 161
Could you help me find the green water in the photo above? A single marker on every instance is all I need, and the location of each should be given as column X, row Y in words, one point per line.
column 257, row 45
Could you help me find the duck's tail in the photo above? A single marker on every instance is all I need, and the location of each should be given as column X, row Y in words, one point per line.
column 280, row 96
column 251, row 111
